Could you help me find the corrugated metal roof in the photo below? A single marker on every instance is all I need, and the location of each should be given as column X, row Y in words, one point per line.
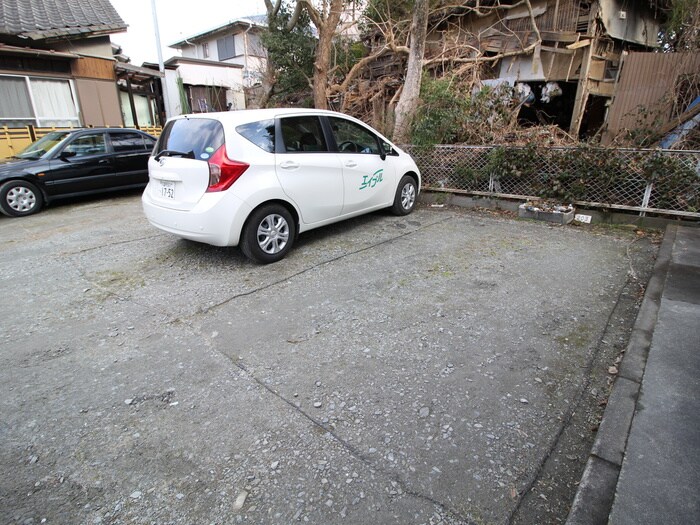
column 176, row 61
column 248, row 21
column 42, row 19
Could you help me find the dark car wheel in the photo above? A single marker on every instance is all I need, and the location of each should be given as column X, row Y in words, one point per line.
column 19, row 198
column 405, row 199
column 268, row 234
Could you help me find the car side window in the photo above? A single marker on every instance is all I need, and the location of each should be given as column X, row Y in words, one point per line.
column 353, row 138
column 150, row 143
column 86, row 145
column 303, row 135
column 127, row 142
column 261, row 133
column 389, row 149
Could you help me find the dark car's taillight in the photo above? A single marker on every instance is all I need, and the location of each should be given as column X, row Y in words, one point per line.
column 222, row 171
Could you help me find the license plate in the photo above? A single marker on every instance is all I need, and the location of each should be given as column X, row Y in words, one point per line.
column 167, row 189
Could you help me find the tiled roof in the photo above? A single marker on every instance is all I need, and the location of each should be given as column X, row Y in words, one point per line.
column 42, row 19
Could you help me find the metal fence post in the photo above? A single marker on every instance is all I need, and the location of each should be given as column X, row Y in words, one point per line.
column 647, row 197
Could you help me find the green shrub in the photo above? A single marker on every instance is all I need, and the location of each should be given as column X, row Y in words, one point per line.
column 450, row 114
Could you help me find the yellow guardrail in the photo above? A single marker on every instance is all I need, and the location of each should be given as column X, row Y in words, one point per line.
column 14, row 140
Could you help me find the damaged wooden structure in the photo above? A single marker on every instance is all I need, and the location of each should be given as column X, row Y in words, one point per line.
column 563, row 57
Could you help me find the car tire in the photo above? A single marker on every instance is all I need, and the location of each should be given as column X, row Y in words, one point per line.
column 19, row 198
column 406, row 194
column 268, row 234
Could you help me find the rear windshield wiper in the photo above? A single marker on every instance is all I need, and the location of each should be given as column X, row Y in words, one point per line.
column 175, row 153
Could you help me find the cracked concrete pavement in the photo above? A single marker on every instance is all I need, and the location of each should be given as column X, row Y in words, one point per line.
column 390, row 370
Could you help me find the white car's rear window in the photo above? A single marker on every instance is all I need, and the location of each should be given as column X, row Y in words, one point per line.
column 198, row 137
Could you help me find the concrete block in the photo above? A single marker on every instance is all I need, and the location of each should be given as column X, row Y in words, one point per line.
column 527, row 212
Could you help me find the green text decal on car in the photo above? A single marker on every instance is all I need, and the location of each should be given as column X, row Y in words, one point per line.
column 371, row 182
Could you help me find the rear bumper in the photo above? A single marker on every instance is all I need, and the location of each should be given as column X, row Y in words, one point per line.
column 217, row 219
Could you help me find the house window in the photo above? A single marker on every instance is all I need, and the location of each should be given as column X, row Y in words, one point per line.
column 226, row 47
column 37, row 101
column 15, row 105
column 205, row 99
column 144, row 107
column 205, row 49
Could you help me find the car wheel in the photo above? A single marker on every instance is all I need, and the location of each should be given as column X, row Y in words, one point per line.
column 405, row 199
column 19, row 198
column 268, row 234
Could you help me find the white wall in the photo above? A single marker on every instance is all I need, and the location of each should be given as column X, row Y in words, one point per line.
column 193, row 51
column 201, row 74
column 630, row 21
column 173, row 107
column 522, row 68
column 100, row 46
column 253, row 62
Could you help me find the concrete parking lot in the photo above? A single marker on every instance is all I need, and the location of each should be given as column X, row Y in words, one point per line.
column 444, row 367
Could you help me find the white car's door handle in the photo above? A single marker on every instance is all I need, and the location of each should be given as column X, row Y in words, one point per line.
column 289, row 165
column 351, row 164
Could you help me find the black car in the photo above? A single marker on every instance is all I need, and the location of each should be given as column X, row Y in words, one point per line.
column 73, row 162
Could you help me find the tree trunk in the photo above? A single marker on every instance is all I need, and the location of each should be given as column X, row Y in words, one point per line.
column 269, row 78
column 322, row 64
column 407, row 105
column 268, row 86
column 326, row 31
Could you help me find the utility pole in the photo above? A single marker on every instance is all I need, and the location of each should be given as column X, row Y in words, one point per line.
column 161, row 66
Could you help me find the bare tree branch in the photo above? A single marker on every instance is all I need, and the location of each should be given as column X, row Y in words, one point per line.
column 359, row 66
column 317, row 18
column 479, row 58
column 272, row 9
column 478, row 10
column 297, row 13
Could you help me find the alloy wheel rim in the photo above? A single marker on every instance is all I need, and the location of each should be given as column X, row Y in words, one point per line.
column 273, row 234
column 21, row 199
column 408, row 196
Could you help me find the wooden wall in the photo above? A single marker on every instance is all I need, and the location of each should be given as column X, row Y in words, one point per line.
column 99, row 102
column 97, row 68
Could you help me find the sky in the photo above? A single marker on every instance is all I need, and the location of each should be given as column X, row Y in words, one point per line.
column 177, row 20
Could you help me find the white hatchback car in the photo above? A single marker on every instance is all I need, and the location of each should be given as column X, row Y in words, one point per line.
column 258, row 178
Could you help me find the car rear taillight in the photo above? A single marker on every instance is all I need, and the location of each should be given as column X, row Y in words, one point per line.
column 222, row 171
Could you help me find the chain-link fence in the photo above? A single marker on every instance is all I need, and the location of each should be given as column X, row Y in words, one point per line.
column 647, row 181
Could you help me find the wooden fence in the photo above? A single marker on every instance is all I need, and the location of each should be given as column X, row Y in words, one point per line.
column 14, row 140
